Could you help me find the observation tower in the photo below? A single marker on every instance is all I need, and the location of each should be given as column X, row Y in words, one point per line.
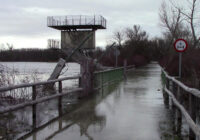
column 75, row 28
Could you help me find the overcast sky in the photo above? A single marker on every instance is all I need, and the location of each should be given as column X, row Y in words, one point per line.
column 23, row 22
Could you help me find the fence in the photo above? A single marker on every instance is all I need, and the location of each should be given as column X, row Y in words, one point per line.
column 33, row 99
column 185, row 100
column 34, row 95
column 102, row 78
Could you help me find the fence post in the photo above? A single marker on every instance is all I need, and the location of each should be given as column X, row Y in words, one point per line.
column 79, row 81
column 178, row 112
column 192, row 112
column 174, row 92
column 87, row 69
column 60, row 98
column 125, row 65
column 174, row 109
column 60, row 124
column 165, row 95
column 34, row 109
column 102, row 81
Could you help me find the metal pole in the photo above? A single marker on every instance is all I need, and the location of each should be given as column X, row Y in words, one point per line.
column 116, row 57
column 180, row 64
column 125, row 65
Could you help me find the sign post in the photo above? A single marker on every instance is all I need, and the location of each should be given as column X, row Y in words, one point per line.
column 117, row 53
column 180, row 65
column 180, row 45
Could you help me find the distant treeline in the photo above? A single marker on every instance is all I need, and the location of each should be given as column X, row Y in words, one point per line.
column 133, row 45
column 31, row 55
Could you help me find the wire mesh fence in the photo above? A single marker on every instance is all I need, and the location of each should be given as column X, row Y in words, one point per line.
column 103, row 77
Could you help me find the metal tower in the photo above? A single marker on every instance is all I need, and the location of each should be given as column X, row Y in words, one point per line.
column 75, row 28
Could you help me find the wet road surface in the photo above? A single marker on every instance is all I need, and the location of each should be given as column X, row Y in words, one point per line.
column 129, row 110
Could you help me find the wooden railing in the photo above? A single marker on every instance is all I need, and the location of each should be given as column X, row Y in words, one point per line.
column 177, row 90
column 34, row 100
column 2, row 89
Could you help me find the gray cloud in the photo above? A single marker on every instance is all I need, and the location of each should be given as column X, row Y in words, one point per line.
column 27, row 18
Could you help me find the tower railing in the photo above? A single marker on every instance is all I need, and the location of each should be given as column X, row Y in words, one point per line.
column 76, row 20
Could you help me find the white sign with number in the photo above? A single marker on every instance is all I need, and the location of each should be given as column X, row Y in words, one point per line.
column 180, row 45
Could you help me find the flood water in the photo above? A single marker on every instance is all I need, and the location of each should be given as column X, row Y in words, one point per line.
column 42, row 69
column 128, row 110
column 27, row 72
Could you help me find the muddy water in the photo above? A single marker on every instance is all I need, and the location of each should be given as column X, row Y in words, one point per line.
column 129, row 110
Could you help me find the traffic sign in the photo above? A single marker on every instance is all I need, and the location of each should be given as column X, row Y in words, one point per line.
column 180, row 45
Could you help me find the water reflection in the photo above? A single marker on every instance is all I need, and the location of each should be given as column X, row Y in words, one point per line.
column 80, row 117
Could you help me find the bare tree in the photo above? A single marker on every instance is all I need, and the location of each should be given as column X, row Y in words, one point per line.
column 136, row 33
column 180, row 20
column 118, row 37
column 190, row 14
column 170, row 19
column 10, row 46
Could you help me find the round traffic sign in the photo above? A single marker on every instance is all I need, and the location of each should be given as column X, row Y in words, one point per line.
column 180, row 45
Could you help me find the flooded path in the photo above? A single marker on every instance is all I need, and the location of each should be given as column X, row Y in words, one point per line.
column 129, row 110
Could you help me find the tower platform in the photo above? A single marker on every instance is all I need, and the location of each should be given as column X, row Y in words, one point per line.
column 76, row 22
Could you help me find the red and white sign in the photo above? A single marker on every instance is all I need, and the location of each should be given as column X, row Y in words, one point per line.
column 180, row 45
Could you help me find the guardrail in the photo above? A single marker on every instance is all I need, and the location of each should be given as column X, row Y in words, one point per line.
column 106, row 77
column 177, row 90
column 130, row 67
column 34, row 100
column 102, row 78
